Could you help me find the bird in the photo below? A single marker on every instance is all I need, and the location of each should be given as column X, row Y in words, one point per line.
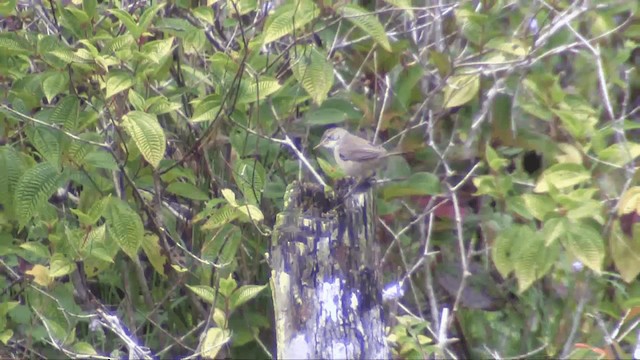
column 356, row 156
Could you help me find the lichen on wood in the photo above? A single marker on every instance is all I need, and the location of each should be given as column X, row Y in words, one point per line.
column 325, row 281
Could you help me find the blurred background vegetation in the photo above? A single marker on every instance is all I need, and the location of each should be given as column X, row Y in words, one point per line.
column 145, row 148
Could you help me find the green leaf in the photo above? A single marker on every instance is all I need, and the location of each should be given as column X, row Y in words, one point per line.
column 84, row 348
column 287, row 18
column 324, row 116
column 562, row 176
column 206, row 293
column 54, row 84
column 147, row 135
column 367, row 22
column 147, row 17
column 586, row 244
column 460, row 89
column 89, row 7
column 494, row 160
column 215, row 339
column 126, row 19
column 221, row 216
column 125, row 226
column 66, row 113
column 151, row 247
column 60, row 265
column 34, row 189
column 252, row 91
column 314, row 72
column 47, row 142
column 244, row 294
column 118, row 81
column 250, row 178
column 532, row 258
column 421, row 183
column 11, row 169
column 187, row 190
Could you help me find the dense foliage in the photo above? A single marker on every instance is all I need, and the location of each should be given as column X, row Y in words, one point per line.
column 145, row 149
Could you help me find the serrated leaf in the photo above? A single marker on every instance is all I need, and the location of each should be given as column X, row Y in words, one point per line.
column 34, row 189
column 125, row 226
column 187, row 190
column 314, row 72
column 367, row 22
column 215, row 339
column 54, row 84
column 287, row 18
column 625, row 251
column 244, row 294
column 147, row 134
column 562, row 176
column 460, row 89
column 206, row 293
column 586, row 244
column 118, row 81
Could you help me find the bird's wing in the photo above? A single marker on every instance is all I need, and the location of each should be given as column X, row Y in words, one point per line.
column 358, row 149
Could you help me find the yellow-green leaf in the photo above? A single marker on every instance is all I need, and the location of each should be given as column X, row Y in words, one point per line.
column 629, row 201
column 461, row 89
column 40, row 275
column 586, row 244
column 213, row 342
column 625, row 251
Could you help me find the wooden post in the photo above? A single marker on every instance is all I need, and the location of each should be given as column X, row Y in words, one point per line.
column 325, row 278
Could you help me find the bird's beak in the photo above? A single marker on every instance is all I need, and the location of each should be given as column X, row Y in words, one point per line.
column 319, row 145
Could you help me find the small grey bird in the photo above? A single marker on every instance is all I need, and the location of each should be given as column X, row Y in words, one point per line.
column 356, row 156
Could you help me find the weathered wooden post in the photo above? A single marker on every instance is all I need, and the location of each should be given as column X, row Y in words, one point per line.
column 325, row 278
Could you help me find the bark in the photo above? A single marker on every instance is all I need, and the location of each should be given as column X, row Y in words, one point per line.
column 325, row 281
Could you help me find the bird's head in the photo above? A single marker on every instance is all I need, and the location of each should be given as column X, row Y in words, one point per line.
column 331, row 138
